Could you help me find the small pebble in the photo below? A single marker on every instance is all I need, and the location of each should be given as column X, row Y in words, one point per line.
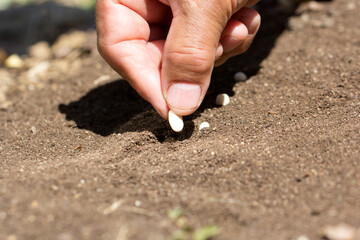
column 222, row 99
column 204, row 125
column 303, row 237
column 351, row 6
column 34, row 204
column 3, row 97
column 37, row 71
column 11, row 237
column 67, row 43
column 65, row 236
column 14, row 61
column 40, row 50
column 33, row 130
column 3, row 215
column 102, row 79
column 240, row 77
column 113, row 207
column 176, row 122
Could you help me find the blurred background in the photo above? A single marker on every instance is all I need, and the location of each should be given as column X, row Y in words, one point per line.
column 37, row 35
column 25, row 22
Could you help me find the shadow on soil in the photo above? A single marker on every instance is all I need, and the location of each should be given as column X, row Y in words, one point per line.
column 117, row 108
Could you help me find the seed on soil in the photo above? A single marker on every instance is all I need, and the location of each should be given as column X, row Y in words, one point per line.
column 339, row 232
column 176, row 122
column 240, row 77
column 204, row 125
column 222, row 99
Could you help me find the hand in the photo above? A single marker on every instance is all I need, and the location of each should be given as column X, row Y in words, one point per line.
column 167, row 49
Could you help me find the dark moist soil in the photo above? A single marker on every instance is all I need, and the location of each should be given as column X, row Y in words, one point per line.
column 81, row 160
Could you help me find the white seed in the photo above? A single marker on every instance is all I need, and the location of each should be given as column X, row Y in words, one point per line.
column 138, row 203
column 176, row 122
column 222, row 99
column 240, row 77
column 339, row 232
column 204, row 125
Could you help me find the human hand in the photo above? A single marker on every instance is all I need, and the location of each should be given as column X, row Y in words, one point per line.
column 167, row 49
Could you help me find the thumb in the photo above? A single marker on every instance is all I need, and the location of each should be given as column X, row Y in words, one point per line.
column 190, row 51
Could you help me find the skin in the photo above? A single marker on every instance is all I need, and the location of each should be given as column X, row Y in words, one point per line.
column 167, row 49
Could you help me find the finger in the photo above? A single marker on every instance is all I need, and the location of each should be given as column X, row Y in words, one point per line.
column 251, row 19
column 123, row 42
column 190, row 52
column 140, row 65
column 116, row 23
column 233, row 35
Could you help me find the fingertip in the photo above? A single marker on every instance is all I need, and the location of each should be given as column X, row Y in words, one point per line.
column 235, row 29
column 219, row 51
column 233, row 35
column 250, row 18
column 159, row 104
column 163, row 111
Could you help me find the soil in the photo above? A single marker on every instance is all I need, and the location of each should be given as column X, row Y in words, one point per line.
column 82, row 156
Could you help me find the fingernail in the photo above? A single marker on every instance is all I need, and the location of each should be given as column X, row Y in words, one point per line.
column 240, row 32
column 184, row 95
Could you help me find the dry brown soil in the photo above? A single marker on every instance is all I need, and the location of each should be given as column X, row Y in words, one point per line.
column 86, row 159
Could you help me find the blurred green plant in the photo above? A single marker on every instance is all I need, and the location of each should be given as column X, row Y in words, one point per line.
column 206, row 232
column 188, row 232
column 203, row 233
column 174, row 213
column 4, row 4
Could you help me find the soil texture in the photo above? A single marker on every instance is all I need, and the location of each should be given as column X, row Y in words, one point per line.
column 82, row 156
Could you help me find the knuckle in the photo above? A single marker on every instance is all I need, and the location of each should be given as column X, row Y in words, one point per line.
column 191, row 60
